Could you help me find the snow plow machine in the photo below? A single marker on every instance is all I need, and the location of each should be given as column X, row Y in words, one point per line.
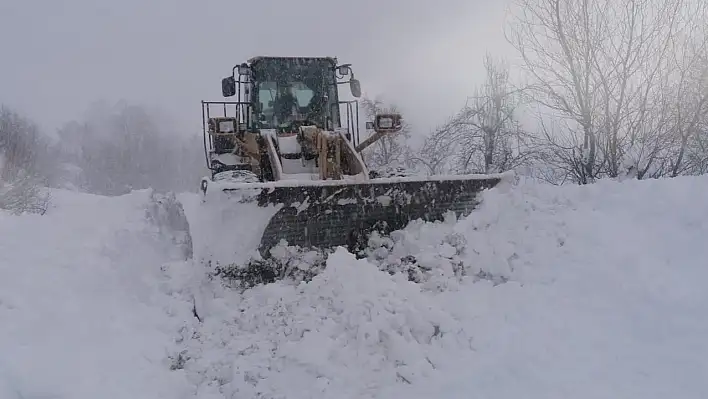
column 281, row 144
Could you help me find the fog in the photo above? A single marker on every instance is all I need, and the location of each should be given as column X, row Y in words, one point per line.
column 482, row 90
column 61, row 56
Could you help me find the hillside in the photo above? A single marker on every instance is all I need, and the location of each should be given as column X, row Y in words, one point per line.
column 544, row 292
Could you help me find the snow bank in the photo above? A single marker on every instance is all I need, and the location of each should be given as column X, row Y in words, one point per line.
column 581, row 292
column 80, row 313
column 543, row 292
column 605, row 292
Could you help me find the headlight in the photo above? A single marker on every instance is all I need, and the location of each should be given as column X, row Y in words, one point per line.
column 386, row 122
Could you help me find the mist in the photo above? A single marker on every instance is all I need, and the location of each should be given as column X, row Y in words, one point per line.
column 62, row 56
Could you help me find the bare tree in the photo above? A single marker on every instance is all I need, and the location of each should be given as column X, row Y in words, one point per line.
column 494, row 140
column 556, row 40
column 690, row 100
column 629, row 65
column 485, row 135
column 606, row 67
column 697, row 156
column 436, row 155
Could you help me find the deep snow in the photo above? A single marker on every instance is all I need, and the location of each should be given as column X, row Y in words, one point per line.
column 543, row 292
column 81, row 313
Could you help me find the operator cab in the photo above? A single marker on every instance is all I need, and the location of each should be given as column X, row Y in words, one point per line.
column 287, row 92
column 274, row 97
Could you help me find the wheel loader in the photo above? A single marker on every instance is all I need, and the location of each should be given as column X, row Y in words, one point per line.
column 289, row 140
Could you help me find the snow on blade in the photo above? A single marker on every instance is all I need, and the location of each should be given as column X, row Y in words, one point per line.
column 357, row 179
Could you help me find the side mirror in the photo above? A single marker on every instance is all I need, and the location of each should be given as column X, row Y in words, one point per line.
column 228, row 86
column 355, row 87
column 388, row 123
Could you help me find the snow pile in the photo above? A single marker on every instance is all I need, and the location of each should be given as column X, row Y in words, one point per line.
column 348, row 333
column 604, row 295
column 583, row 292
column 427, row 253
column 81, row 315
column 495, row 242
column 525, row 234
column 591, row 291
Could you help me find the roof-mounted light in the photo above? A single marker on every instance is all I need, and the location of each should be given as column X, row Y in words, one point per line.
column 244, row 69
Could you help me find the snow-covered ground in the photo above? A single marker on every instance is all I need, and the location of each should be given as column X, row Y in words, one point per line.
column 544, row 292
column 81, row 310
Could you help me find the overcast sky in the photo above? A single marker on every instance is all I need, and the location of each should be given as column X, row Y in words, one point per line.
column 61, row 55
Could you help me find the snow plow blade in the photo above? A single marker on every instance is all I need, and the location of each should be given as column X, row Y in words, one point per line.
column 330, row 213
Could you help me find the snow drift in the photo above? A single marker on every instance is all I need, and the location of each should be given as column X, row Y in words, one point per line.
column 583, row 292
column 80, row 311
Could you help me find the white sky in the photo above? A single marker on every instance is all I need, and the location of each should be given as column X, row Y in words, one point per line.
column 59, row 56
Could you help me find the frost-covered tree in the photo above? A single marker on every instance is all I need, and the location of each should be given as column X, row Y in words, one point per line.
column 24, row 161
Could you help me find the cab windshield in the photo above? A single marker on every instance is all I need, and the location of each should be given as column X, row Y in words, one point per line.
column 295, row 91
column 288, row 102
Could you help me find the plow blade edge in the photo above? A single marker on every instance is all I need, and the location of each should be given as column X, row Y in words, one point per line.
column 325, row 214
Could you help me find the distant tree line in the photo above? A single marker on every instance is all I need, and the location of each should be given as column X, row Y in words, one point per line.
column 116, row 149
column 127, row 147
